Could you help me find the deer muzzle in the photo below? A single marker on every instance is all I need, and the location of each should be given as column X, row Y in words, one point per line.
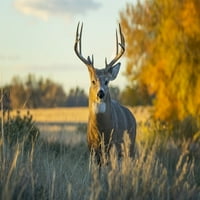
column 101, row 94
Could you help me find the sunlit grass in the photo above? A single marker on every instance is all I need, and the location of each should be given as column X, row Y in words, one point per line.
column 57, row 114
column 163, row 168
column 77, row 114
column 55, row 171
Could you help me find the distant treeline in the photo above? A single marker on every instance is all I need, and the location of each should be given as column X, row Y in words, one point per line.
column 33, row 92
column 40, row 93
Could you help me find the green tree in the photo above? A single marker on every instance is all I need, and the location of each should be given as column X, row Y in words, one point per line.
column 76, row 97
column 163, row 40
column 136, row 95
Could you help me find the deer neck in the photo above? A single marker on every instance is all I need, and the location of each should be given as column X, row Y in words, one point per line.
column 100, row 121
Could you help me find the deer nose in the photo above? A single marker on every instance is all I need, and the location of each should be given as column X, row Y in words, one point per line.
column 101, row 94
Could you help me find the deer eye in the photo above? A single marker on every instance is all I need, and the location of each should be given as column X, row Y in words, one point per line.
column 106, row 82
column 93, row 82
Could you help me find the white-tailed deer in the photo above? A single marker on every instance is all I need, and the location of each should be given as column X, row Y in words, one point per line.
column 107, row 118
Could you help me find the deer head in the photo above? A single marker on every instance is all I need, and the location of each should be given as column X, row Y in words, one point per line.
column 100, row 78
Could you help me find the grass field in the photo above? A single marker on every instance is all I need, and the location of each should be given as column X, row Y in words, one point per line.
column 65, row 124
column 79, row 115
column 58, row 166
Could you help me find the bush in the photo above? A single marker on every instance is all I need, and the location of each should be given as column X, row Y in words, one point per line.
column 186, row 128
column 20, row 130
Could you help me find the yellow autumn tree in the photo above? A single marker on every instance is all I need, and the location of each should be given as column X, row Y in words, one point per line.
column 163, row 52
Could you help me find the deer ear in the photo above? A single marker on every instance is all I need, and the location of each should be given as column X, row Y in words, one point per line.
column 114, row 70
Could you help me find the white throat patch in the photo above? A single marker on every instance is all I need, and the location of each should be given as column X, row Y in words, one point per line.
column 99, row 107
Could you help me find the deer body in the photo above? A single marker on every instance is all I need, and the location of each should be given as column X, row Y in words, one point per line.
column 108, row 120
column 110, row 125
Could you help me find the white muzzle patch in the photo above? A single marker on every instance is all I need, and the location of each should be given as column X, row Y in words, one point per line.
column 99, row 107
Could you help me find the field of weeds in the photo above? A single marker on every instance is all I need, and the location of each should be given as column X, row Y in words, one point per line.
column 58, row 165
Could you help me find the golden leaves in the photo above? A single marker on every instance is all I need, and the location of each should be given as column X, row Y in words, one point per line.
column 190, row 17
column 163, row 51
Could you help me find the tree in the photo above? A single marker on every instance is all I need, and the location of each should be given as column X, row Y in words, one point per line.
column 136, row 95
column 163, row 39
column 17, row 94
column 76, row 97
column 52, row 94
column 33, row 97
column 34, row 93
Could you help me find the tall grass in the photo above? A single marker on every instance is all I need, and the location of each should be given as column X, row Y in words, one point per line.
column 163, row 168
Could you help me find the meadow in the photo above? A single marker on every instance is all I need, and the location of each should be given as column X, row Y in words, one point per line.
column 59, row 166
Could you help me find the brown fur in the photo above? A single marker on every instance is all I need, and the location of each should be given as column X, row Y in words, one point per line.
column 110, row 126
column 108, row 120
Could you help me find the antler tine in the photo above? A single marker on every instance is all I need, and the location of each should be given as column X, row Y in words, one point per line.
column 117, row 49
column 106, row 62
column 92, row 59
column 77, row 45
column 121, row 44
column 78, row 49
column 80, row 38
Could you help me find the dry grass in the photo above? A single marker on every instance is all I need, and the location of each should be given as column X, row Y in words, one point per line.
column 67, row 132
column 54, row 171
column 57, row 114
column 163, row 168
column 64, row 134
column 75, row 114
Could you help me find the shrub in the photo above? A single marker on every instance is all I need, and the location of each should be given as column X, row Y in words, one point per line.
column 20, row 130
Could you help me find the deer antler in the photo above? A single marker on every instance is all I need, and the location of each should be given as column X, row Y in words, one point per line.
column 77, row 47
column 121, row 44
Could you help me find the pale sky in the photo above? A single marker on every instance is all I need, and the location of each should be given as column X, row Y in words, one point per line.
column 37, row 36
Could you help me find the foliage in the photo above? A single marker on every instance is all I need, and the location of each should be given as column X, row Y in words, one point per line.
column 33, row 93
column 20, row 130
column 136, row 95
column 76, row 97
column 40, row 93
column 188, row 127
column 163, row 53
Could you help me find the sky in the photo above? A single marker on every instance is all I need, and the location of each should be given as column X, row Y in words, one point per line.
column 37, row 37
